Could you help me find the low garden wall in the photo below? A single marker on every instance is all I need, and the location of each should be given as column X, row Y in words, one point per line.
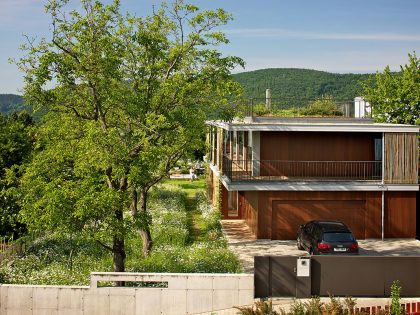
column 144, row 293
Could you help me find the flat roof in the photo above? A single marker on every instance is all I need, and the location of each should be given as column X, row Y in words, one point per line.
column 310, row 124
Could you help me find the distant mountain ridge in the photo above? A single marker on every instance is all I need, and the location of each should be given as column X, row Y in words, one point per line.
column 285, row 83
column 10, row 103
column 300, row 84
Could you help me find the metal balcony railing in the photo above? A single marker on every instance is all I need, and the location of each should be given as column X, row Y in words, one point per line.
column 275, row 170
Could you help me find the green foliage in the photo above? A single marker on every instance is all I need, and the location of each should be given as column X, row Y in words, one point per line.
column 15, row 149
column 395, row 97
column 129, row 100
column 211, row 217
column 62, row 258
column 314, row 306
column 169, row 218
column 299, row 85
column 55, row 260
column 197, row 258
column 396, row 308
column 335, row 306
column 170, row 230
column 259, row 308
column 323, row 106
column 297, row 308
column 260, row 110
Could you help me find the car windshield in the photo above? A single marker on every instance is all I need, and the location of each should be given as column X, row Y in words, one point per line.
column 338, row 237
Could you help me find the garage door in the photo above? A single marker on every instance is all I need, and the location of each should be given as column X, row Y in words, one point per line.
column 288, row 215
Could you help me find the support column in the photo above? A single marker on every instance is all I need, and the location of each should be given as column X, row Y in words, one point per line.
column 256, row 153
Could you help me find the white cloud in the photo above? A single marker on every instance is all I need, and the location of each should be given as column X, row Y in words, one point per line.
column 284, row 33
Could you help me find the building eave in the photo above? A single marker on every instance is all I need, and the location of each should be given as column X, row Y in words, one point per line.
column 317, row 125
column 315, row 186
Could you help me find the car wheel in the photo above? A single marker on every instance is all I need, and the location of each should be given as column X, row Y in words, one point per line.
column 311, row 251
column 299, row 243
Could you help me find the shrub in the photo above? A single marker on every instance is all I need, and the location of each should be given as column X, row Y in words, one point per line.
column 259, row 308
column 396, row 308
column 324, row 106
column 314, row 306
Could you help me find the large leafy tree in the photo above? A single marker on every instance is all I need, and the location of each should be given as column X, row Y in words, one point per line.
column 395, row 97
column 125, row 98
column 15, row 150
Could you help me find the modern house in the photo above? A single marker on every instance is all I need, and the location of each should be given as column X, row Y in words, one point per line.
column 278, row 173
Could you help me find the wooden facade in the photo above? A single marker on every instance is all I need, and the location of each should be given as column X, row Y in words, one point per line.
column 401, row 158
column 316, row 146
column 277, row 214
column 400, row 214
column 285, row 211
column 280, row 213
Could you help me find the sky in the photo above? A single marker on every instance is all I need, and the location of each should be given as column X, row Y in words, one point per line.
column 340, row 36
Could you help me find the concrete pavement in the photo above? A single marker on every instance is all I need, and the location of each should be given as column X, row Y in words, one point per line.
column 246, row 246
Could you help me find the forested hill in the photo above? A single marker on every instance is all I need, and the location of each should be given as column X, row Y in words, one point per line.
column 285, row 83
column 300, row 84
column 10, row 103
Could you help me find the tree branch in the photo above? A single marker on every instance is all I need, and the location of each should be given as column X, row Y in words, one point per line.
column 104, row 245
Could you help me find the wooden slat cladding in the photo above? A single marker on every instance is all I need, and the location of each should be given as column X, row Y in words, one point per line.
column 400, row 214
column 250, row 207
column 318, row 146
column 401, row 158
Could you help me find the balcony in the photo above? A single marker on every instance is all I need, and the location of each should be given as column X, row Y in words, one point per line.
column 275, row 170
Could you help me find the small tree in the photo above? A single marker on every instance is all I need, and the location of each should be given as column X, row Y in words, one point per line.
column 395, row 97
column 129, row 99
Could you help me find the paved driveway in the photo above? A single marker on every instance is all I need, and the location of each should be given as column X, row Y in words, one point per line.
column 244, row 244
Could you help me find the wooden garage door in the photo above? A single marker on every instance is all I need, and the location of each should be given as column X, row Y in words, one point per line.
column 288, row 215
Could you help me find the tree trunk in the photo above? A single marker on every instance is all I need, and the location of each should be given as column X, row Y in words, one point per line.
column 145, row 231
column 118, row 249
column 118, row 254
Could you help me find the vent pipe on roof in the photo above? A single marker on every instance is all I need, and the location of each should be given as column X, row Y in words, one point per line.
column 268, row 98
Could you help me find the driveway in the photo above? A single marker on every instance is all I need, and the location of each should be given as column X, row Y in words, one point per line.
column 246, row 246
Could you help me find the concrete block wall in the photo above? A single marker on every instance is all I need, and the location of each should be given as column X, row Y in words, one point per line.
column 183, row 294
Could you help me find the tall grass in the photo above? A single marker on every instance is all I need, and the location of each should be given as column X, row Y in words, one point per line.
column 172, row 251
column 60, row 260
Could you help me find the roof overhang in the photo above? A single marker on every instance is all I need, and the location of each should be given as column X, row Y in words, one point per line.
column 315, row 186
column 317, row 125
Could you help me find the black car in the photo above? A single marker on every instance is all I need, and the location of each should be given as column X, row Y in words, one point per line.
column 326, row 237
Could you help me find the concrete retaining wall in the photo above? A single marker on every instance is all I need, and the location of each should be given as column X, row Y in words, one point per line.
column 181, row 294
